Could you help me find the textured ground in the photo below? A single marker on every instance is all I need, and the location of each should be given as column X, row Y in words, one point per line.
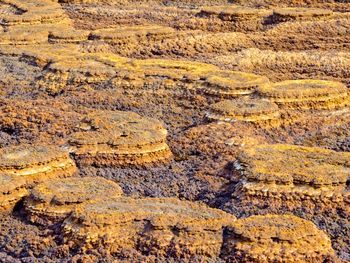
column 80, row 57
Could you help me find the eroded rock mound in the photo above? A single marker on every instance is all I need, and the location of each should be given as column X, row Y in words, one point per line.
column 158, row 226
column 119, row 138
column 23, row 166
column 232, row 83
column 36, row 162
column 294, row 173
column 242, row 18
column 12, row 190
column 300, row 14
column 307, row 94
column 31, row 21
column 277, row 238
column 133, row 33
column 75, row 71
column 53, row 201
column 248, row 110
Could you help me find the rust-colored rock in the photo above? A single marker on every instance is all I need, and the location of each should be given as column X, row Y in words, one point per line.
column 157, row 226
column 277, row 238
column 248, row 110
column 307, row 94
column 119, row 138
column 54, row 200
column 295, row 173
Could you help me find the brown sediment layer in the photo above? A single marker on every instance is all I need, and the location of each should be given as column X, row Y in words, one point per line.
column 276, row 238
column 292, row 172
column 119, row 138
column 257, row 111
column 307, row 94
column 54, row 200
column 23, row 166
column 157, row 226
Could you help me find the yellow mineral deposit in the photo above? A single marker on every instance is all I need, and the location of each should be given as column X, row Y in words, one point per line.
column 149, row 223
column 117, row 138
column 293, row 173
column 300, row 14
column 256, row 111
column 307, row 94
column 53, row 200
column 277, row 238
column 23, row 166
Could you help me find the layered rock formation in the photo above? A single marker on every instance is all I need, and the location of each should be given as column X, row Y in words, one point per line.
column 133, row 34
column 23, row 166
column 36, row 163
column 307, row 94
column 54, row 200
column 156, row 226
column 12, row 190
column 299, row 14
column 248, row 110
column 293, row 173
column 240, row 17
column 119, row 138
column 32, row 21
column 232, row 83
column 277, row 238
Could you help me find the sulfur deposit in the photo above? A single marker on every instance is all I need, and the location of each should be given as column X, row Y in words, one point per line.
column 307, row 94
column 293, row 173
column 119, row 138
column 158, row 226
column 52, row 201
column 277, row 238
column 247, row 110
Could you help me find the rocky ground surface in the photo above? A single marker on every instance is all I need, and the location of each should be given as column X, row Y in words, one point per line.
column 174, row 131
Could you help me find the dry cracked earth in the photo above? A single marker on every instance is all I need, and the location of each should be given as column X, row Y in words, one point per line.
column 174, row 131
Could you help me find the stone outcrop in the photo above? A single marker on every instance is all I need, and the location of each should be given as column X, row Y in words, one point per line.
column 118, row 138
column 241, row 17
column 36, row 163
column 12, row 190
column 75, row 71
column 232, row 83
column 300, row 14
column 31, row 21
column 293, row 173
column 133, row 34
column 307, row 94
column 276, row 238
column 52, row 201
column 23, row 166
column 156, row 226
column 257, row 111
